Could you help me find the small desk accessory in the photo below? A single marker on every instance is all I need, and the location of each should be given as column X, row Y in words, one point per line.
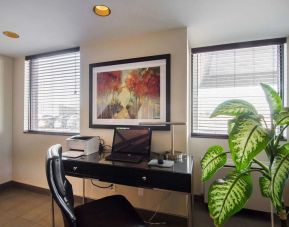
column 172, row 154
column 165, row 164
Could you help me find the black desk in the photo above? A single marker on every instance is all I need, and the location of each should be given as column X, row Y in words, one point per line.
column 177, row 178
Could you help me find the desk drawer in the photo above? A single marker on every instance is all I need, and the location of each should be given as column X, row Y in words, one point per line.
column 87, row 170
column 147, row 178
column 153, row 179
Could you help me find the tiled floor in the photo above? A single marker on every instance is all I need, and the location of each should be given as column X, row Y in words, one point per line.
column 23, row 208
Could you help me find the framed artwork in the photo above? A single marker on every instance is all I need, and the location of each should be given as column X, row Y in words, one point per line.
column 128, row 92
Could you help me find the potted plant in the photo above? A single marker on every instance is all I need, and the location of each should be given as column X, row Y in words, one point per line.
column 249, row 134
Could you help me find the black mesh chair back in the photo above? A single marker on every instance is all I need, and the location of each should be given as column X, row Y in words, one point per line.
column 110, row 211
column 60, row 187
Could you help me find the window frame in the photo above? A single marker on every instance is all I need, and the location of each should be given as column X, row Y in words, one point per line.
column 230, row 46
column 31, row 57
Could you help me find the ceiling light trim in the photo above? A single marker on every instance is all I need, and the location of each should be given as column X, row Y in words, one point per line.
column 101, row 10
column 11, row 34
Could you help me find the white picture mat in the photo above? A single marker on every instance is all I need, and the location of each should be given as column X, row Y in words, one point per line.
column 129, row 66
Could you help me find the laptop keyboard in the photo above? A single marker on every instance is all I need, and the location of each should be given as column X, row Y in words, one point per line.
column 124, row 158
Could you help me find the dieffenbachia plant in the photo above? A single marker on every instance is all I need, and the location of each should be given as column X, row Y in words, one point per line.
column 249, row 135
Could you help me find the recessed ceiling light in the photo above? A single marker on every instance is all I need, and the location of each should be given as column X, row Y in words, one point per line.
column 101, row 10
column 10, row 34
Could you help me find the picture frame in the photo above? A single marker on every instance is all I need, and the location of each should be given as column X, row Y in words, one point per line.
column 129, row 92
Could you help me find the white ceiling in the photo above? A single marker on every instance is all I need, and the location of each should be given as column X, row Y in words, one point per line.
column 47, row 25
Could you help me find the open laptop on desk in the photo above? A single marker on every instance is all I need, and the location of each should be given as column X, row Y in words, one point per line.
column 130, row 144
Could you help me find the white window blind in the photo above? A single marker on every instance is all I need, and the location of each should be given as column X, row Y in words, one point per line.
column 52, row 87
column 236, row 73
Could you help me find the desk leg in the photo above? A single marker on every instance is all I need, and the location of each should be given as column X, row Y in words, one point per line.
column 83, row 190
column 52, row 213
column 190, row 209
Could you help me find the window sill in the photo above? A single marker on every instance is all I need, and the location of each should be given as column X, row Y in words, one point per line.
column 209, row 136
column 214, row 136
column 51, row 133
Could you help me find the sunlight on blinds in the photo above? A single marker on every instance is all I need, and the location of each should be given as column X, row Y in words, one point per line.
column 231, row 74
column 52, row 99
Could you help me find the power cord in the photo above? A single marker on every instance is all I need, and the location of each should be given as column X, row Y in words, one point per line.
column 156, row 211
column 152, row 217
column 101, row 145
column 100, row 139
column 103, row 148
column 103, row 187
column 109, row 147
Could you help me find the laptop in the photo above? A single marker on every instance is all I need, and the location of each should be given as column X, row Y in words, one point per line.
column 130, row 144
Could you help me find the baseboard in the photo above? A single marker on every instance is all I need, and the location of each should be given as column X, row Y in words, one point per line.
column 31, row 188
column 36, row 189
column 6, row 185
column 199, row 198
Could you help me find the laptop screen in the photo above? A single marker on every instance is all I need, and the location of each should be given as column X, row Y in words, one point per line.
column 135, row 140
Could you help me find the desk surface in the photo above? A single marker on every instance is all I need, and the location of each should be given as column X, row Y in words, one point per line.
column 184, row 167
column 177, row 178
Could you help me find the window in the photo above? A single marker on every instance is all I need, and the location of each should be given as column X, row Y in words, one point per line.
column 52, row 87
column 233, row 71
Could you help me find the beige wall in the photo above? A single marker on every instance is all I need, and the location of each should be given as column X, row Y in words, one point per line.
column 29, row 149
column 6, row 76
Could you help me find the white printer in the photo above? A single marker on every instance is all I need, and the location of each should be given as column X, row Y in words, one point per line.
column 81, row 145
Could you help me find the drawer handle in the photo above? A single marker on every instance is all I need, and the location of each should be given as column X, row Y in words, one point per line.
column 144, row 178
column 74, row 168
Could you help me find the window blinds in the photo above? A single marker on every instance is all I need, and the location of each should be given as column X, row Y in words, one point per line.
column 52, row 87
column 226, row 74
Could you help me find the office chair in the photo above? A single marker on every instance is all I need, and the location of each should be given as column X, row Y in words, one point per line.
column 111, row 211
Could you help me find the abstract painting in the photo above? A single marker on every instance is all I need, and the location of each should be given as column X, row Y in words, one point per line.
column 129, row 92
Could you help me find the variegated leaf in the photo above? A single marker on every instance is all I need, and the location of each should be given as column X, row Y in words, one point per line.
column 228, row 196
column 214, row 159
column 280, row 174
column 282, row 118
column 273, row 99
column 265, row 185
column 234, row 107
column 247, row 139
column 231, row 124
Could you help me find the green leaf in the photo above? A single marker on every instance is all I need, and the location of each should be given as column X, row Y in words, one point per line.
column 228, row 196
column 280, row 174
column 231, row 124
column 214, row 159
column 247, row 139
column 234, row 107
column 282, row 118
column 265, row 185
column 273, row 99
